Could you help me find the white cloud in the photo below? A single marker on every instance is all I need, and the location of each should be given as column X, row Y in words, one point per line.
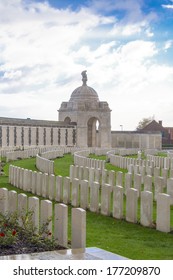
column 44, row 50
column 168, row 45
column 167, row 6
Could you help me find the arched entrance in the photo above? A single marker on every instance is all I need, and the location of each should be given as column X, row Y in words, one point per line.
column 67, row 120
column 93, row 130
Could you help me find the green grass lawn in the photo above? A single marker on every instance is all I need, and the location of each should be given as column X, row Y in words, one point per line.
column 118, row 236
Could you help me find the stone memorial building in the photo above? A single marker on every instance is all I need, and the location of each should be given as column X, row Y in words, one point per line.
column 92, row 116
column 84, row 121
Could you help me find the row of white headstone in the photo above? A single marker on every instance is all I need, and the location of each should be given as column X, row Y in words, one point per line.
column 95, row 198
column 45, row 210
column 26, row 153
column 44, row 165
column 81, row 159
column 132, row 179
column 151, row 161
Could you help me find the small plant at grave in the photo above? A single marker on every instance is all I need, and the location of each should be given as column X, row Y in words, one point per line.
column 8, row 230
column 18, row 235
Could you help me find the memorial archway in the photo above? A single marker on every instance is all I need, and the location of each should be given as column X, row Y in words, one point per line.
column 93, row 132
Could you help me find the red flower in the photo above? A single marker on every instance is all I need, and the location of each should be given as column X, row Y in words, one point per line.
column 14, row 232
column 2, row 234
column 5, row 225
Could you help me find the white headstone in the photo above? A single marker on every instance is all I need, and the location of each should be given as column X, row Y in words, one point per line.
column 75, row 193
column 78, row 228
column 84, row 193
column 94, row 197
column 66, row 190
column 146, row 208
column 163, row 212
column 118, row 202
column 131, row 205
column 61, row 224
column 105, row 199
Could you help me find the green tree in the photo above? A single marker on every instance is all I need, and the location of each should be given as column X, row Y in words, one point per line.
column 144, row 122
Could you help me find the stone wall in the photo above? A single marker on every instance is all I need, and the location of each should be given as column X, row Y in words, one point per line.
column 17, row 136
column 124, row 139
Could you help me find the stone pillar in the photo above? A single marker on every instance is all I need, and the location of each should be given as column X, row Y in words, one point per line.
column 146, row 208
column 118, row 202
column 105, row 199
column 75, row 192
column 94, row 197
column 84, row 188
column 163, row 212
column 61, row 224
column 66, row 190
column 78, row 228
column 131, row 205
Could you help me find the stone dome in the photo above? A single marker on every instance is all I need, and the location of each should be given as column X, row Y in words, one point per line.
column 84, row 92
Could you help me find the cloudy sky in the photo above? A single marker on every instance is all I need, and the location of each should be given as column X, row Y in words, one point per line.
column 126, row 46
